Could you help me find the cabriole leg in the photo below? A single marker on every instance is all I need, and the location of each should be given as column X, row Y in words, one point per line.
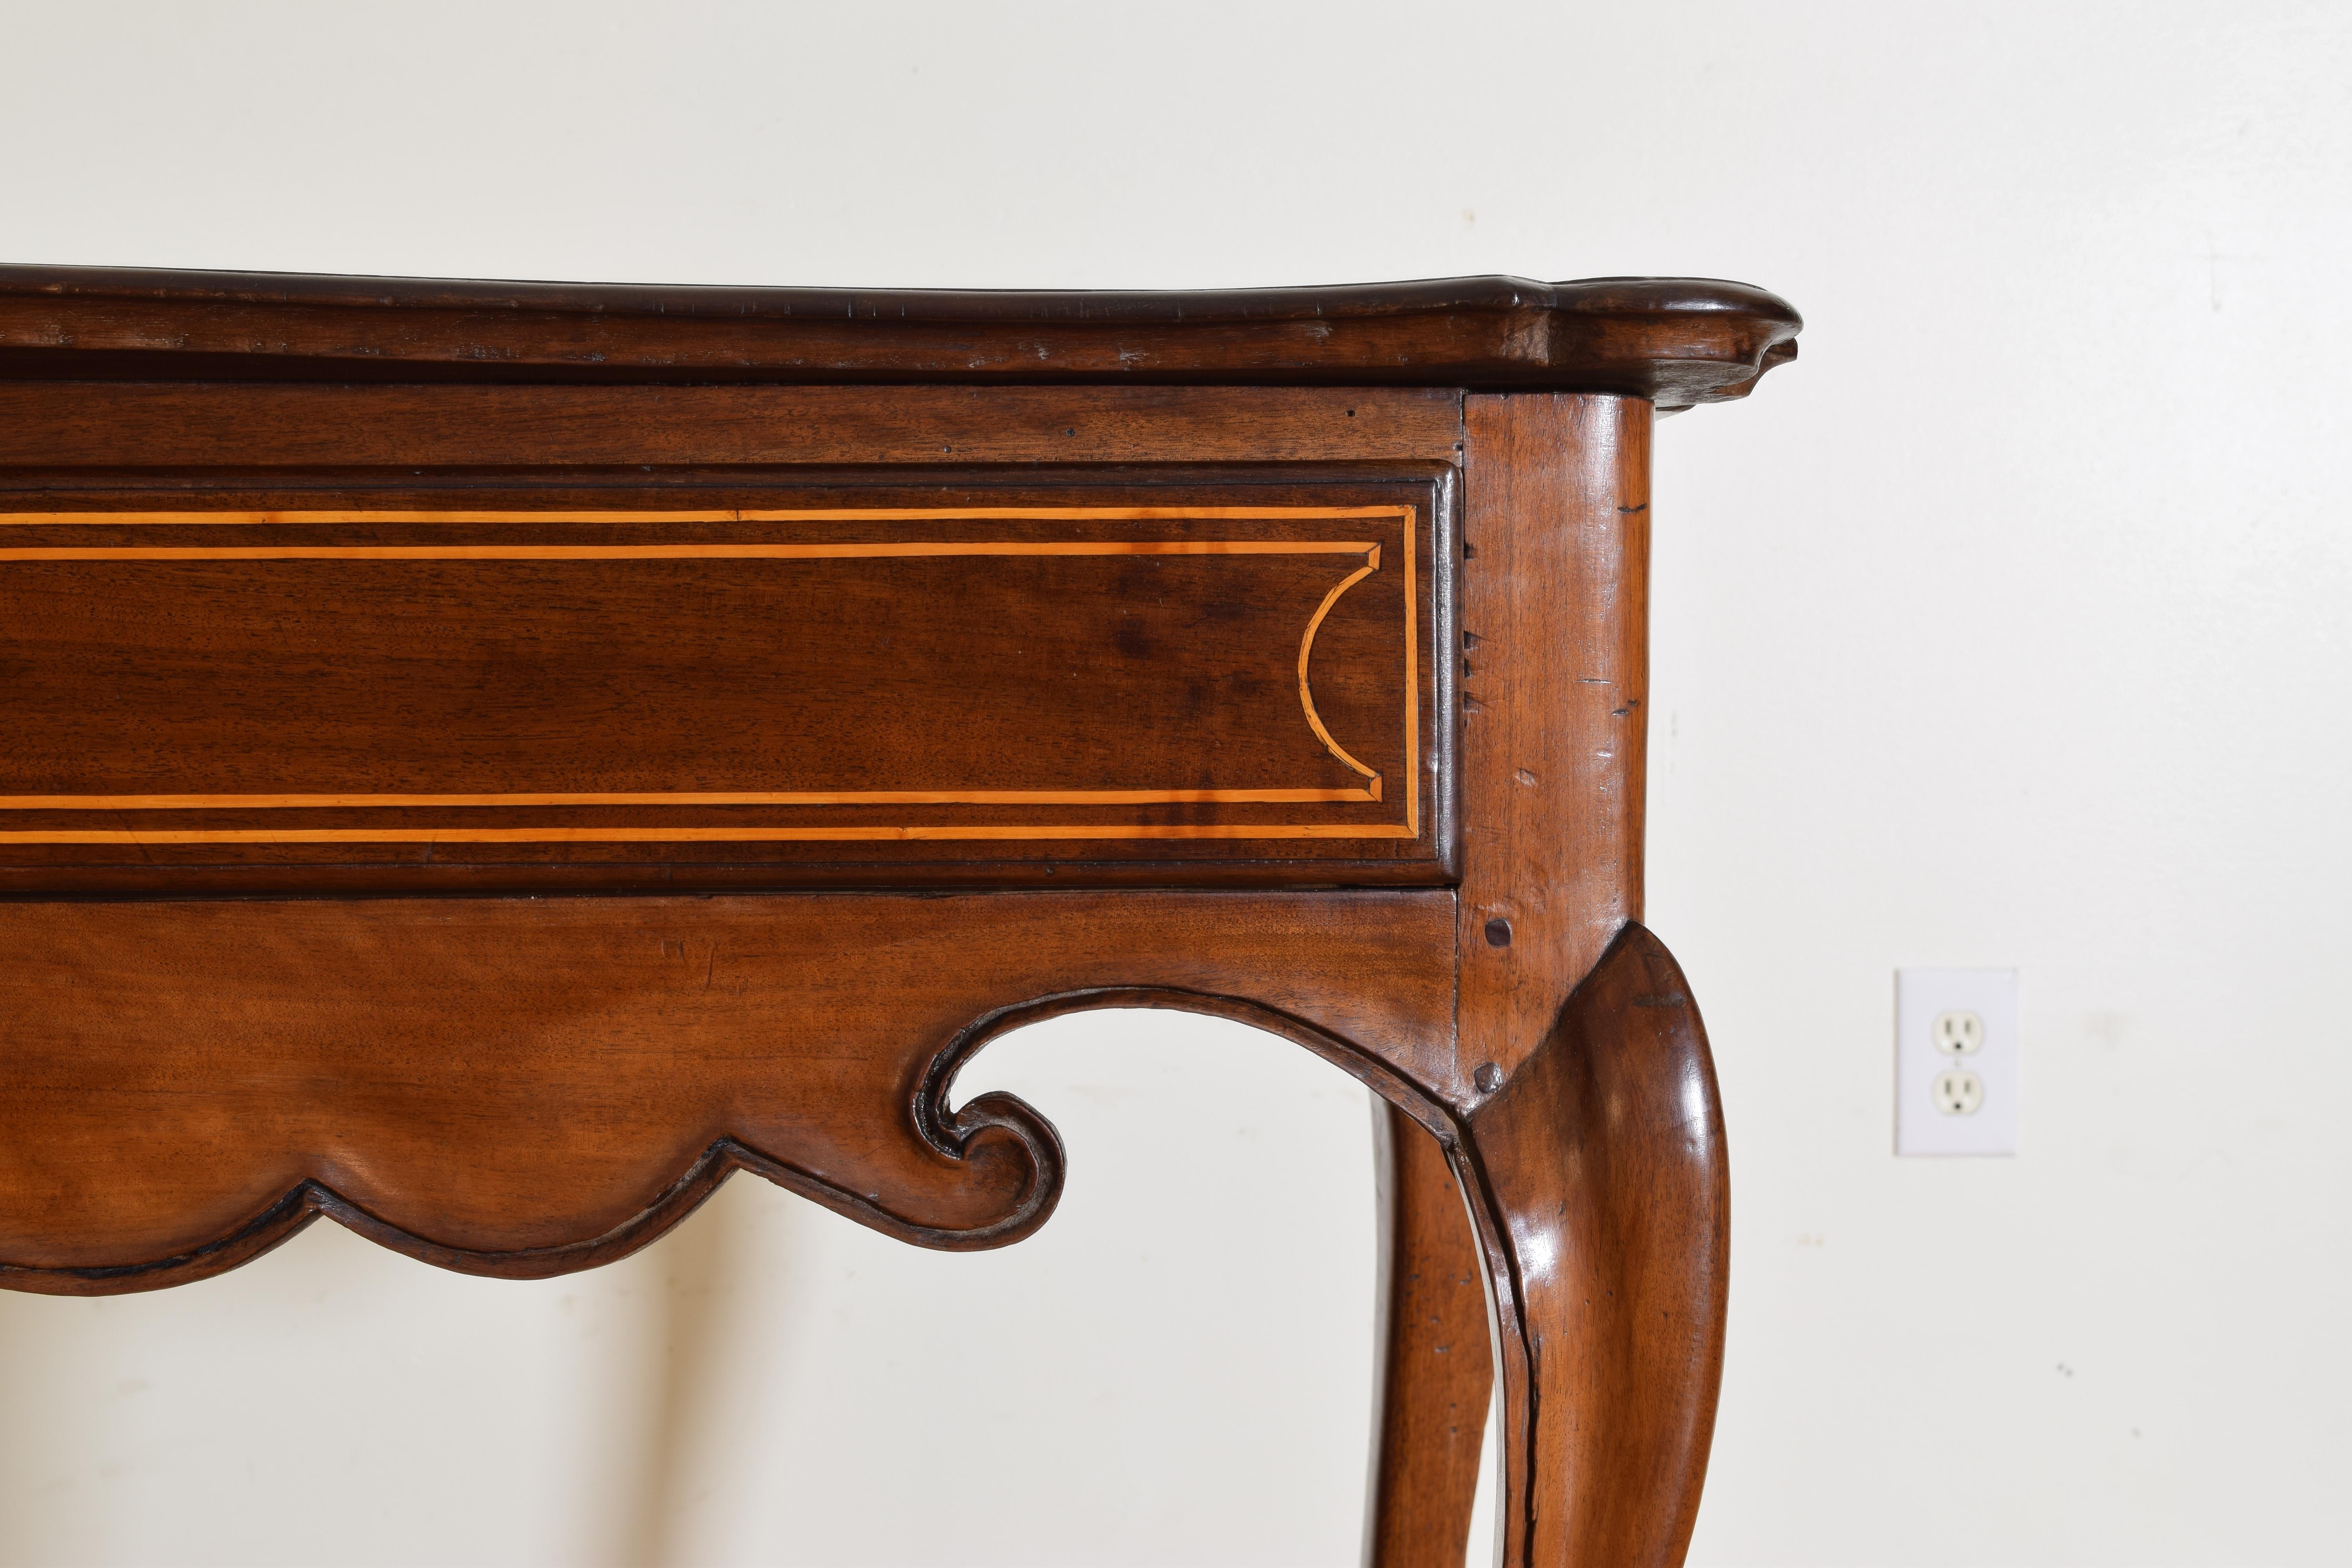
column 1435, row 1373
column 1604, row 1204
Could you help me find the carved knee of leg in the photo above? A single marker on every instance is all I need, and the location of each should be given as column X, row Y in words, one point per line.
column 1604, row 1204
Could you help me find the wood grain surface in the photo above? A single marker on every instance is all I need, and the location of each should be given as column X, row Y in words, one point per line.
column 1555, row 676
column 1597, row 1154
column 528, row 1087
column 1604, row 1204
column 1318, row 615
column 1675, row 340
column 1436, row 1371
column 165, row 437
column 1180, row 671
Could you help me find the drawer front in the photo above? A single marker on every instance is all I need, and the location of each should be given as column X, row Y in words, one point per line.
column 1176, row 676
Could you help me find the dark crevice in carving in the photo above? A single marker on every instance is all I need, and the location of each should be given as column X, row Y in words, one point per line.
column 1605, row 1107
column 1362, row 1065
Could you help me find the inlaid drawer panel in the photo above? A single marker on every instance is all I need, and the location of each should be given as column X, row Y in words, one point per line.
column 1181, row 676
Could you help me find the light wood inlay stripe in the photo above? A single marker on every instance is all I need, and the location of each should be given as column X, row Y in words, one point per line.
column 886, row 550
column 1411, row 683
column 913, row 550
column 587, row 514
column 682, row 797
column 709, row 834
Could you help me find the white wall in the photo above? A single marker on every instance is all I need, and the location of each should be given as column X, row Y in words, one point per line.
column 2006, row 628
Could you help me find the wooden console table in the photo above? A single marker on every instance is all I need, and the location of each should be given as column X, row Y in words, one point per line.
column 485, row 760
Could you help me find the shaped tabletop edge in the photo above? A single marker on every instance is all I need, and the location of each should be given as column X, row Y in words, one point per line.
column 1678, row 341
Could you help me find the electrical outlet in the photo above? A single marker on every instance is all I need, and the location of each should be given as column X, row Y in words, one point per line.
column 1956, row 1061
column 1957, row 1093
column 1958, row 1031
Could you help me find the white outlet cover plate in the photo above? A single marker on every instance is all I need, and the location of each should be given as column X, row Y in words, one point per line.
column 1919, row 995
